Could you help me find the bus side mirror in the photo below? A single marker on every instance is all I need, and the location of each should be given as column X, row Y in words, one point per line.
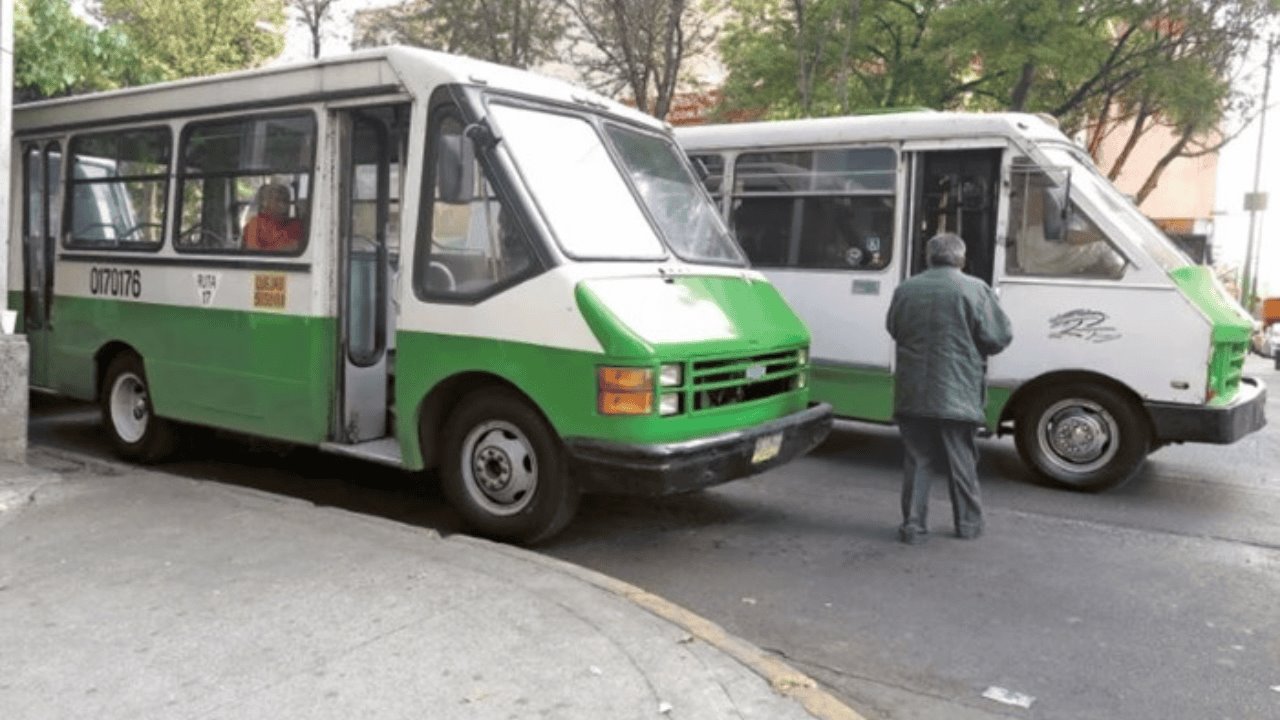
column 700, row 168
column 455, row 169
column 1055, row 215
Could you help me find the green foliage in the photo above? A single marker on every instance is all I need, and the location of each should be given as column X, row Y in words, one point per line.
column 520, row 33
column 1069, row 58
column 57, row 53
column 187, row 38
column 1104, row 66
column 825, row 57
column 637, row 48
column 140, row 42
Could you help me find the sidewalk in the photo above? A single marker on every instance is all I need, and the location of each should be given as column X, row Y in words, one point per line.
column 128, row 593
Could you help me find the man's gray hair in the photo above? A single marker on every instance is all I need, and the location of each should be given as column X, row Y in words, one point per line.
column 945, row 249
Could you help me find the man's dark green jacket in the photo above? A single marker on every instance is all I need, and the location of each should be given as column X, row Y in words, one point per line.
column 946, row 323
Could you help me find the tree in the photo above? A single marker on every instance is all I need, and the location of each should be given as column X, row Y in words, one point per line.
column 313, row 14
column 823, row 57
column 186, row 38
column 520, row 33
column 638, row 46
column 57, row 53
column 1121, row 66
column 1102, row 66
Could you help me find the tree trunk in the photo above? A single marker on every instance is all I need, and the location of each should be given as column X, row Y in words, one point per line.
column 1153, row 180
column 804, row 79
column 1135, row 134
column 1022, row 90
column 637, row 75
column 673, row 53
column 846, row 51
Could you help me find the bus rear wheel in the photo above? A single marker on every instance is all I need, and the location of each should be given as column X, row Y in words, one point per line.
column 1082, row 436
column 136, row 433
column 504, row 469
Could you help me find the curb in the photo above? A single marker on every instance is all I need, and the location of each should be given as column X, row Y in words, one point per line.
column 784, row 679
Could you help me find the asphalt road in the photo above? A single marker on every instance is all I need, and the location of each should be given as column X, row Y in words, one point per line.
column 1157, row 600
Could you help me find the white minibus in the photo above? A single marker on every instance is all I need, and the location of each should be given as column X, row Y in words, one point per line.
column 1121, row 344
column 409, row 257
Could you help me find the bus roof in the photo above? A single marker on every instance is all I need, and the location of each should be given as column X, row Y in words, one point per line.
column 385, row 70
column 888, row 127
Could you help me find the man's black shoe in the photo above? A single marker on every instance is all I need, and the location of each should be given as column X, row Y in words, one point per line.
column 912, row 536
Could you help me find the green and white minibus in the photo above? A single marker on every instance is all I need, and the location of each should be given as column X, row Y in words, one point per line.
column 413, row 258
column 1120, row 345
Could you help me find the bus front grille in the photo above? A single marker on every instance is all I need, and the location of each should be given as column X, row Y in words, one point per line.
column 1226, row 369
column 730, row 381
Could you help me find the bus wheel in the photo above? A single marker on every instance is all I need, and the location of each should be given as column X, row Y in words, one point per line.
column 504, row 469
column 136, row 433
column 1082, row 436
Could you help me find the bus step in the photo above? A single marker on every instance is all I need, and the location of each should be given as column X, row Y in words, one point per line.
column 385, row 451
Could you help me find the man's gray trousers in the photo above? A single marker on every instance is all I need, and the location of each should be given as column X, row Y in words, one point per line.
column 940, row 448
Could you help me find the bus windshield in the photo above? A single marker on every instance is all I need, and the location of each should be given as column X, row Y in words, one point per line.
column 1088, row 182
column 688, row 221
column 579, row 189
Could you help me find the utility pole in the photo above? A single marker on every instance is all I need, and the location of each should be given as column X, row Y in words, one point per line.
column 6, row 131
column 1255, row 201
column 14, row 355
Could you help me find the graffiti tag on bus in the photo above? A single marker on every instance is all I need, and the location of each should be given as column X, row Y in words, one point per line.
column 1084, row 325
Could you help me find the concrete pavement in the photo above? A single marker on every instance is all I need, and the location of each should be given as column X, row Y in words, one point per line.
column 131, row 593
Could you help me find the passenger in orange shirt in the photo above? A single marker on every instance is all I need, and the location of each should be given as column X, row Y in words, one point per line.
column 272, row 229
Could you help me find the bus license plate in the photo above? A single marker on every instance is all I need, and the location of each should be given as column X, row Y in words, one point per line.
column 767, row 448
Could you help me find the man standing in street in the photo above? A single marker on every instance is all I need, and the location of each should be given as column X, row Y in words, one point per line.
column 945, row 324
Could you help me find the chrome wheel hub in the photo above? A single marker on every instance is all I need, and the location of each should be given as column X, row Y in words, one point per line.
column 128, row 402
column 500, row 467
column 1078, row 435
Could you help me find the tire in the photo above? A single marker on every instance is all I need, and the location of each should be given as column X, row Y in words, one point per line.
column 504, row 469
column 1082, row 436
column 135, row 431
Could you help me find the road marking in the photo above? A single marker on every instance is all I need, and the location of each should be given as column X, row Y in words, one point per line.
column 1008, row 697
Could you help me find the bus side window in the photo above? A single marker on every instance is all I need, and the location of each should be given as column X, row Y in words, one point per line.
column 474, row 244
column 819, row 209
column 1050, row 236
column 710, row 169
column 119, row 188
column 245, row 185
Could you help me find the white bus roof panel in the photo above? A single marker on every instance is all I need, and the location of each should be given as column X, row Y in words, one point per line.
column 393, row 69
column 891, row 127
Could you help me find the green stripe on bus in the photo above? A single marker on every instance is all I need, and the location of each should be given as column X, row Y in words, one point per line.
column 860, row 394
column 259, row 373
column 1231, row 330
column 855, row 393
column 562, row 384
column 761, row 321
column 1197, row 283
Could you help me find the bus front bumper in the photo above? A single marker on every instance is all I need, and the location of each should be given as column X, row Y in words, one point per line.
column 1175, row 422
column 632, row 469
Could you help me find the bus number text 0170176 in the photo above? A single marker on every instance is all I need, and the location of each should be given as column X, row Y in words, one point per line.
column 115, row 282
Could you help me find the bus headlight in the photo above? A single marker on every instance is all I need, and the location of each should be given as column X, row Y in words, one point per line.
column 669, row 404
column 803, row 357
column 671, row 375
column 624, row 391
